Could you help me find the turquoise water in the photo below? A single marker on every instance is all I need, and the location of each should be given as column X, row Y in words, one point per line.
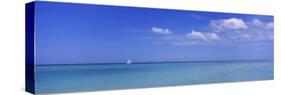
column 96, row 77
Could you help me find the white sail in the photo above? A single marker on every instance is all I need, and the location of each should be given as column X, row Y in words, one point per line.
column 129, row 61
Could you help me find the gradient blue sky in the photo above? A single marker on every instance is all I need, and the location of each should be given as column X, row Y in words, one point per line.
column 81, row 33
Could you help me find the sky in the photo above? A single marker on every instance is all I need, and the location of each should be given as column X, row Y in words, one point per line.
column 68, row 33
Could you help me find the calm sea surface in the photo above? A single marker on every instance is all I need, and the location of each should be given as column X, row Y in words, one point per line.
column 96, row 77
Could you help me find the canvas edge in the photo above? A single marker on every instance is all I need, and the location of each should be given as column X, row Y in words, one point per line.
column 29, row 47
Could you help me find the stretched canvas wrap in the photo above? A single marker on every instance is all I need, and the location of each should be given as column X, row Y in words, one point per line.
column 84, row 47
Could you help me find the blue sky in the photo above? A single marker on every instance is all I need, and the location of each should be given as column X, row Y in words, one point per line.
column 81, row 33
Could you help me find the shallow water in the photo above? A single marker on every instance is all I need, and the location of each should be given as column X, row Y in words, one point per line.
column 96, row 77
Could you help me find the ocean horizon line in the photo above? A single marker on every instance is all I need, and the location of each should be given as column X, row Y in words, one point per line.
column 157, row 62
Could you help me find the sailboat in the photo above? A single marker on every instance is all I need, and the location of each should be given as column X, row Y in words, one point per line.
column 129, row 61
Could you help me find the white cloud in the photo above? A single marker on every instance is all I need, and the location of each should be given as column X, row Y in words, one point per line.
column 256, row 23
column 213, row 36
column 260, row 30
column 260, row 25
column 236, row 29
column 227, row 31
column 228, row 24
column 270, row 25
column 161, row 30
column 197, row 35
column 203, row 36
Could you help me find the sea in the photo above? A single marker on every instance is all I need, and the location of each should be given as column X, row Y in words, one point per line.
column 66, row 78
